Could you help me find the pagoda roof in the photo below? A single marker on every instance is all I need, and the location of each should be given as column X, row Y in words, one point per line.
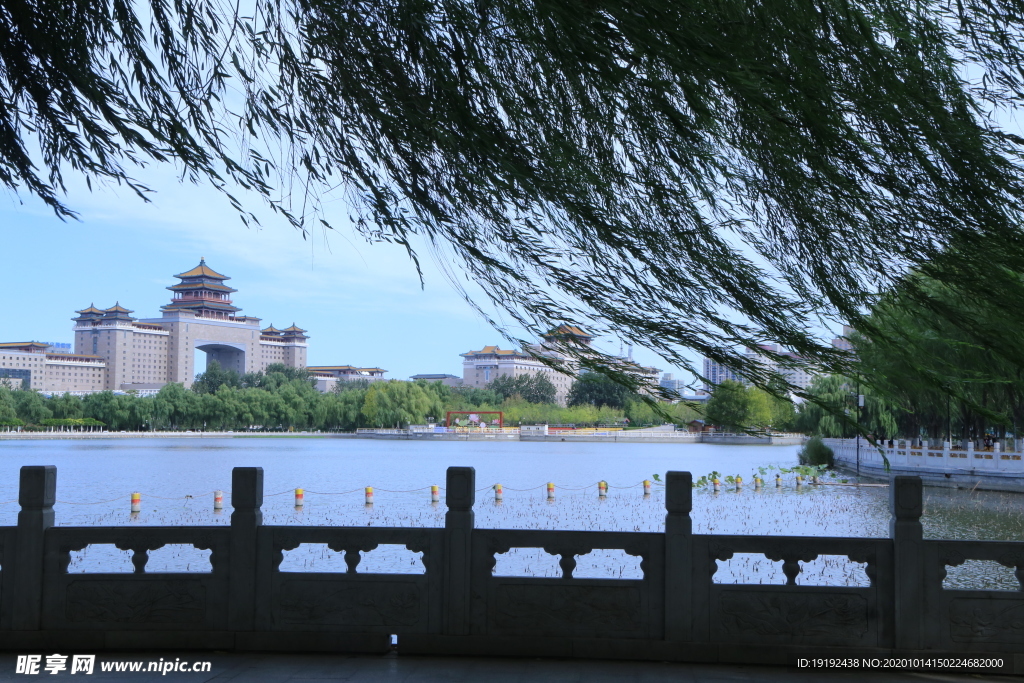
column 203, row 270
column 117, row 308
column 92, row 309
column 202, row 285
column 568, row 331
column 270, row 330
column 293, row 328
column 179, row 304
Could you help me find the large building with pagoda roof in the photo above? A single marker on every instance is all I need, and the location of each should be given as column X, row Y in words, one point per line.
column 146, row 353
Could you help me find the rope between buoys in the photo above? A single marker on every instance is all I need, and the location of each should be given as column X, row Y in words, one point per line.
column 98, row 502
column 149, row 495
column 584, row 488
column 423, row 488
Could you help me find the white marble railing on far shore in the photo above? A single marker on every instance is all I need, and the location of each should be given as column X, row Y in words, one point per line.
column 904, row 454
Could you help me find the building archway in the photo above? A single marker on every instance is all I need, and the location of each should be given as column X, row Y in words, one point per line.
column 229, row 355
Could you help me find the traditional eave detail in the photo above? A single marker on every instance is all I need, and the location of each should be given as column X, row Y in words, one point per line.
column 199, row 304
column 215, row 286
column 569, row 333
column 31, row 347
column 495, row 351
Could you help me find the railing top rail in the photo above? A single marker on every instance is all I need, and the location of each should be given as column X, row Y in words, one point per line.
column 825, row 545
column 315, row 534
column 982, row 550
column 164, row 534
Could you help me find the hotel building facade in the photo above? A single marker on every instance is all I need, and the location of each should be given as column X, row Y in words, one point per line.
column 480, row 368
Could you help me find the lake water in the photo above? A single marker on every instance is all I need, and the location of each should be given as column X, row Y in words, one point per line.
column 177, row 478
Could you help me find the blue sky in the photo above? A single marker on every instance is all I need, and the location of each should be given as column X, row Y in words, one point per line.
column 362, row 303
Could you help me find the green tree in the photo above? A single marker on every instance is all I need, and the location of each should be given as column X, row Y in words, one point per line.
column 602, row 149
column 834, row 411
column 110, row 409
column 8, row 409
column 31, row 407
column 214, row 378
column 760, row 408
column 65, row 406
column 534, row 387
column 599, row 390
column 937, row 378
column 729, row 406
column 395, row 404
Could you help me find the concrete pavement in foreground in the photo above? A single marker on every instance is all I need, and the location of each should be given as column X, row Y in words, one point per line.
column 286, row 668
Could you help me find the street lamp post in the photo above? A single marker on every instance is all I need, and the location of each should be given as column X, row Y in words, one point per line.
column 860, row 404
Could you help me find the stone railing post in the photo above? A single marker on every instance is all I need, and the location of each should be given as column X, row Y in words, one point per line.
column 908, row 561
column 38, row 490
column 247, row 517
column 678, row 556
column 460, row 494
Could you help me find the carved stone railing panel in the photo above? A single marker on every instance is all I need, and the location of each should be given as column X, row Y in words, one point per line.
column 6, row 575
column 792, row 550
column 351, row 600
column 794, row 613
column 954, row 553
column 142, row 601
column 974, row 620
column 567, row 606
column 61, row 541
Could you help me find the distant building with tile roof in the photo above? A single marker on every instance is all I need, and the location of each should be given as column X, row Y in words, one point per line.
column 328, row 376
column 480, row 368
column 446, row 379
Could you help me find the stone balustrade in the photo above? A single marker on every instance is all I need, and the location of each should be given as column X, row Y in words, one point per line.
column 674, row 610
column 904, row 454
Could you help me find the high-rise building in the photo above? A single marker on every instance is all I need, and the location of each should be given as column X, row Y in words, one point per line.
column 843, row 342
column 716, row 373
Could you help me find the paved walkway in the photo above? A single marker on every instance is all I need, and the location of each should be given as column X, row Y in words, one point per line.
column 256, row 668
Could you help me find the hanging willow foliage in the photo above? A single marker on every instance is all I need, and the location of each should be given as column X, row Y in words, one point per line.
column 683, row 175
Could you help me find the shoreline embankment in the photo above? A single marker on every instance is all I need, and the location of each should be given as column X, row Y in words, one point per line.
column 637, row 436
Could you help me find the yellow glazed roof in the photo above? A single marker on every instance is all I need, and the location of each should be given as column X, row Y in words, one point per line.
column 203, row 270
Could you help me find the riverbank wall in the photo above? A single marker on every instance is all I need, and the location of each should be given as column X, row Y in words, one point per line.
column 985, row 470
column 419, row 435
column 583, row 436
column 45, row 436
